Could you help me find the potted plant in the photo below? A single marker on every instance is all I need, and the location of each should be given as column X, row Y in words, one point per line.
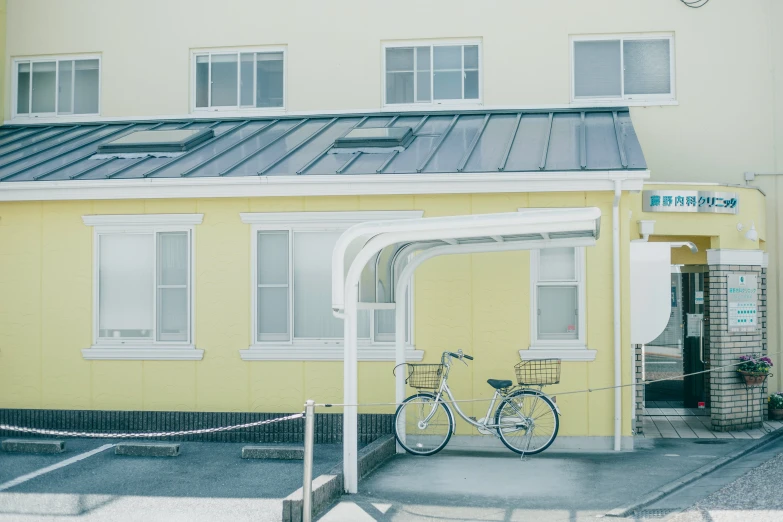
column 754, row 370
column 776, row 406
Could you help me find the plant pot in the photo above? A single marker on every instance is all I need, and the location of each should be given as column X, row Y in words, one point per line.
column 775, row 414
column 753, row 378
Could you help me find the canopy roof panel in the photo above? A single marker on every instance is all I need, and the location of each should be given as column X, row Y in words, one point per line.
column 383, row 248
column 597, row 139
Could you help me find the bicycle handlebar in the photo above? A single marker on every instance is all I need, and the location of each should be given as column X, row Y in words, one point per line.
column 460, row 355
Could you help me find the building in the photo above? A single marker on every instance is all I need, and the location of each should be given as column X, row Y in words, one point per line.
column 514, row 106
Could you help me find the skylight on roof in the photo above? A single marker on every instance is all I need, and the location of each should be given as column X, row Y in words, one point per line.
column 156, row 141
column 374, row 139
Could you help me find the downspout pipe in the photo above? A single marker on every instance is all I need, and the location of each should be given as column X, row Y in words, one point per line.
column 618, row 397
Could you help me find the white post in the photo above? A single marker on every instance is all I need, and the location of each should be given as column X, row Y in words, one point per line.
column 618, row 354
column 350, row 395
column 399, row 348
column 307, row 486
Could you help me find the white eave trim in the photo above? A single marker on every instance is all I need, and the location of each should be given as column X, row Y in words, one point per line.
column 326, row 185
column 143, row 353
column 131, row 220
column 726, row 256
column 324, row 353
column 564, row 354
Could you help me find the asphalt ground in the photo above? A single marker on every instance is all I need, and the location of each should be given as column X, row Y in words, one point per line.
column 207, row 481
column 550, row 487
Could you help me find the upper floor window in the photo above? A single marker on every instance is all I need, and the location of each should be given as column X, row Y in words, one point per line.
column 57, row 86
column 557, row 297
column 242, row 79
column 432, row 73
column 634, row 68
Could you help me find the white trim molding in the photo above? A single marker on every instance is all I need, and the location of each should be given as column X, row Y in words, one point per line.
column 327, row 185
column 261, row 352
column 725, row 256
column 143, row 353
column 579, row 354
column 333, row 219
column 148, row 220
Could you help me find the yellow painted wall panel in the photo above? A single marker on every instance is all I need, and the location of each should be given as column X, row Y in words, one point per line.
column 276, row 386
column 66, row 305
column 20, row 304
column 170, row 206
column 117, row 385
column 276, row 205
column 169, row 385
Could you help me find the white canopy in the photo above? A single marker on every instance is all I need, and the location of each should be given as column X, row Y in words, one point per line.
column 392, row 250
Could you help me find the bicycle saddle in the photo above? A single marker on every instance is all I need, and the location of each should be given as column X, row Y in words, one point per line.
column 499, row 384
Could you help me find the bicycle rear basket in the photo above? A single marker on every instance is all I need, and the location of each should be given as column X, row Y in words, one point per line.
column 538, row 372
column 424, row 376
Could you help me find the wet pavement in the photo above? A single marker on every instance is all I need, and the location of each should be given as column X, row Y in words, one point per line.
column 551, row 487
column 208, row 481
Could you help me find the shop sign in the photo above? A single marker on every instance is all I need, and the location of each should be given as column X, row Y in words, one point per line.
column 742, row 295
column 690, row 201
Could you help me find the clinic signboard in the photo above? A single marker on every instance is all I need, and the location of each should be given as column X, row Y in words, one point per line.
column 742, row 293
column 690, row 201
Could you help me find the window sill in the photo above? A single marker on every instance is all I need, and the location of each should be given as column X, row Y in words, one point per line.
column 586, row 103
column 143, row 353
column 576, row 353
column 261, row 352
column 433, row 107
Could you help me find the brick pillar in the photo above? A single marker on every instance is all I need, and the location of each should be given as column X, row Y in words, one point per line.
column 639, row 390
column 734, row 407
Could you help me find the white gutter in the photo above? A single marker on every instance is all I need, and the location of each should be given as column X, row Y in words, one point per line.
column 320, row 185
column 618, row 397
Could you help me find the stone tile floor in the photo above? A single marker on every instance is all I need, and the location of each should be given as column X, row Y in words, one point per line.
column 670, row 420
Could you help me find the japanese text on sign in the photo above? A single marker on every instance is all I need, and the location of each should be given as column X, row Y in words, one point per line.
column 742, row 293
column 690, row 201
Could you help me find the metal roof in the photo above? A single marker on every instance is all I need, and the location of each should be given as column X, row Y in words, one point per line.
column 466, row 141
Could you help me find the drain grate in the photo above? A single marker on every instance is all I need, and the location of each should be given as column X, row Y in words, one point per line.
column 652, row 513
column 710, row 441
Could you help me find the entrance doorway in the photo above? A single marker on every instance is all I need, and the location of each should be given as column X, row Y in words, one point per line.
column 680, row 349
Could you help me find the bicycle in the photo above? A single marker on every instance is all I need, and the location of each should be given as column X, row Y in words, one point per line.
column 526, row 420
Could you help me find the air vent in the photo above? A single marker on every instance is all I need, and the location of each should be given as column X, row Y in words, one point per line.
column 156, row 141
column 374, row 139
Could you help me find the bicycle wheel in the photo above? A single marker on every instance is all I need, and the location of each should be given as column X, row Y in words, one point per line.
column 410, row 430
column 528, row 422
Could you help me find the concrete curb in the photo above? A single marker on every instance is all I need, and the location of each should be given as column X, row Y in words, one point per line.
column 328, row 488
column 147, row 449
column 273, row 452
column 32, row 446
column 666, row 489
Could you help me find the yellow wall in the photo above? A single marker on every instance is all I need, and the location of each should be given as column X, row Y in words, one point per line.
column 477, row 303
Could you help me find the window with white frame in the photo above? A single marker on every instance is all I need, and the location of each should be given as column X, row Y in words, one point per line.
column 293, row 286
column 143, row 281
column 557, row 297
column 238, row 80
column 57, row 86
column 623, row 68
column 432, row 73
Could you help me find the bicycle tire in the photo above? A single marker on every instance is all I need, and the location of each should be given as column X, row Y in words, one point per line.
column 407, row 442
column 550, row 409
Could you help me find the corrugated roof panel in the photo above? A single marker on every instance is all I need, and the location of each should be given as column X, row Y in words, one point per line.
column 602, row 152
column 293, row 162
column 456, row 143
column 300, row 146
column 489, row 149
column 529, row 144
column 564, row 142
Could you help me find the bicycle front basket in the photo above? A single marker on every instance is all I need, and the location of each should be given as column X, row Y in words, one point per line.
column 538, row 372
column 424, row 376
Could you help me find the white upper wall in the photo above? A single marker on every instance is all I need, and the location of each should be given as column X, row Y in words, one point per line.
column 723, row 122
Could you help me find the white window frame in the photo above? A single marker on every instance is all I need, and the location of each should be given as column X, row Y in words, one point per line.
column 317, row 349
column 433, row 103
column 147, row 349
column 57, row 59
column 566, row 349
column 238, row 108
column 634, row 99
